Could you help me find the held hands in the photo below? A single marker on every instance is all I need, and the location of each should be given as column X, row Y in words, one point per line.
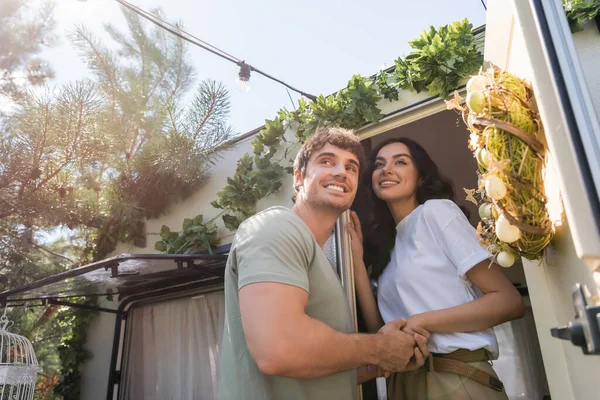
column 402, row 351
column 414, row 325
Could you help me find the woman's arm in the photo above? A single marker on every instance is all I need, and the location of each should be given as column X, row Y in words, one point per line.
column 500, row 302
column 367, row 302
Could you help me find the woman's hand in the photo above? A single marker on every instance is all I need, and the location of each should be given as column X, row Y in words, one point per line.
column 355, row 231
column 364, row 292
column 414, row 325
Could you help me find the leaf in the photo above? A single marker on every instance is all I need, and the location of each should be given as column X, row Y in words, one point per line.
column 165, row 232
column 231, row 222
column 160, row 246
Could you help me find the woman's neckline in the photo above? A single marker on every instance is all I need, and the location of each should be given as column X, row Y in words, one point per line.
column 404, row 220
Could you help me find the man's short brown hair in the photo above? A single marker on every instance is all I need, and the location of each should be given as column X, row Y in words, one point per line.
column 345, row 139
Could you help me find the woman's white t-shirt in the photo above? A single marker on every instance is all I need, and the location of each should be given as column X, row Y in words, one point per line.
column 435, row 247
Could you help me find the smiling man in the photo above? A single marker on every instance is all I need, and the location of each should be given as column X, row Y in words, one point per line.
column 287, row 323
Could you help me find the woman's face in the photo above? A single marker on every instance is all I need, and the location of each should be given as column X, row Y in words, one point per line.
column 395, row 176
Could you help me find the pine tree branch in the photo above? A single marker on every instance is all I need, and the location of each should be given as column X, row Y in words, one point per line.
column 158, row 82
column 40, row 247
column 207, row 115
column 72, row 147
column 172, row 118
column 81, row 33
column 44, row 136
column 133, row 141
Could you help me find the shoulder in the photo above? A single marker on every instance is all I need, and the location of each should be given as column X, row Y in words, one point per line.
column 273, row 218
column 275, row 224
column 440, row 212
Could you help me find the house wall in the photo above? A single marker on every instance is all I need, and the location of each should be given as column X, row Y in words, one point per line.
column 511, row 45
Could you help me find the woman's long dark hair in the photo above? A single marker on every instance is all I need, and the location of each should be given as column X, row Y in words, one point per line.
column 380, row 231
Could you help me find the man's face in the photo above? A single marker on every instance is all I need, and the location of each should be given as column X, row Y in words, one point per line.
column 330, row 179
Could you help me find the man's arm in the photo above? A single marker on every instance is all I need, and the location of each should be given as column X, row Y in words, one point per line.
column 284, row 341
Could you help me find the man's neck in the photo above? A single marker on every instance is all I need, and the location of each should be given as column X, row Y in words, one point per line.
column 320, row 222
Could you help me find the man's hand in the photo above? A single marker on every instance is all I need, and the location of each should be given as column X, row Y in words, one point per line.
column 395, row 348
column 421, row 353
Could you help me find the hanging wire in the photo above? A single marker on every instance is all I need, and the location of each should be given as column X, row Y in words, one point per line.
column 291, row 100
column 175, row 30
column 484, row 6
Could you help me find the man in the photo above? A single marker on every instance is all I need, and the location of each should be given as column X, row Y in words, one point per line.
column 287, row 322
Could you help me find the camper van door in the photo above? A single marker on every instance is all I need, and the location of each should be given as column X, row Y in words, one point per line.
column 532, row 39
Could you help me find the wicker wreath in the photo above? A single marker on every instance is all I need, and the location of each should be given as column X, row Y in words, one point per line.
column 507, row 141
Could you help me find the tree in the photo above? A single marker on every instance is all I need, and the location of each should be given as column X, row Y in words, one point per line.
column 162, row 150
column 83, row 166
column 23, row 34
column 101, row 156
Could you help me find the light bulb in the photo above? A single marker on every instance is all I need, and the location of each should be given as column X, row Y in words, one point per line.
column 244, row 77
column 243, row 84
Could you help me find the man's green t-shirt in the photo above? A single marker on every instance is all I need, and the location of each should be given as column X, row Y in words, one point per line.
column 277, row 246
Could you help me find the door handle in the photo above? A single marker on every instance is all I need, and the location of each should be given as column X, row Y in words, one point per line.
column 584, row 330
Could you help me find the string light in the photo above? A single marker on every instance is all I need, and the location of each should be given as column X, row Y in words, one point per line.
column 244, row 77
column 245, row 69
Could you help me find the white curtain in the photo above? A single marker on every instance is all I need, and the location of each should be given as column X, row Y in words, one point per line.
column 174, row 349
column 520, row 365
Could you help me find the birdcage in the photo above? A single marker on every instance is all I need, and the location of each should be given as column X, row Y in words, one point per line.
column 18, row 365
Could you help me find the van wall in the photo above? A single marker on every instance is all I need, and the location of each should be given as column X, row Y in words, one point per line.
column 94, row 373
column 571, row 375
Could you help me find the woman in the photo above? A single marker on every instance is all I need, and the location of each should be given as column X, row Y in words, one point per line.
column 431, row 270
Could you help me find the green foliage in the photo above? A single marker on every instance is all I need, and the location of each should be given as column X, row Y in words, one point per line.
column 359, row 103
column 163, row 152
column 71, row 350
column 25, row 31
column 386, row 90
column 195, row 235
column 32, row 323
column 580, row 11
column 270, row 136
column 441, row 60
column 255, row 178
column 102, row 156
column 89, row 161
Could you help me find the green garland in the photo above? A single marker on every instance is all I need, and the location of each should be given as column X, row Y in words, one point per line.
column 441, row 60
column 580, row 11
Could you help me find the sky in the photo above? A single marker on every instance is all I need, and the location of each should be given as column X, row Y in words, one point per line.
column 315, row 46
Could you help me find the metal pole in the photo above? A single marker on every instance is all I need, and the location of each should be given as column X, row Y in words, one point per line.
column 345, row 267
column 345, row 264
